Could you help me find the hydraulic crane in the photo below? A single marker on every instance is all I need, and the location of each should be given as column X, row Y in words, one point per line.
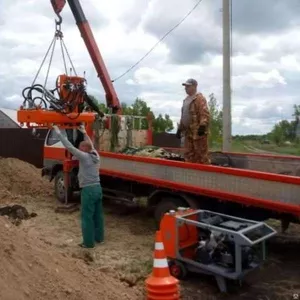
column 89, row 40
column 66, row 110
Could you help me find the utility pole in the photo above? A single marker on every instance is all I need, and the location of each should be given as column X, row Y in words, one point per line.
column 226, row 77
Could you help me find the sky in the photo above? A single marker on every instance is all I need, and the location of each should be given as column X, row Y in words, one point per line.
column 265, row 53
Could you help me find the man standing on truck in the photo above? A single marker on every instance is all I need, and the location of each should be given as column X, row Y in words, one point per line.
column 92, row 222
column 194, row 124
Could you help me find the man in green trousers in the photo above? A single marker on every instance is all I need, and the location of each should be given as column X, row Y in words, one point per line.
column 92, row 221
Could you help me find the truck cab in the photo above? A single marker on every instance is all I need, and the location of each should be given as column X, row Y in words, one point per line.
column 54, row 156
column 131, row 133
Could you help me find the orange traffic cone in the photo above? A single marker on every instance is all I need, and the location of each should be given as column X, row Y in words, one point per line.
column 160, row 285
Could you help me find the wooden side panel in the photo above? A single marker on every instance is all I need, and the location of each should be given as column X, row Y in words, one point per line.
column 134, row 138
column 139, row 138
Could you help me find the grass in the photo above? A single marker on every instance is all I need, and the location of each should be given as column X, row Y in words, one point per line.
column 256, row 147
column 237, row 146
column 289, row 150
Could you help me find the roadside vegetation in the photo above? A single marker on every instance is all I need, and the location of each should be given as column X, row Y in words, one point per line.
column 284, row 138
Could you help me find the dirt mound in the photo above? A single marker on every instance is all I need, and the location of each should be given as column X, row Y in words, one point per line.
column 32, row 269
column 19, row 178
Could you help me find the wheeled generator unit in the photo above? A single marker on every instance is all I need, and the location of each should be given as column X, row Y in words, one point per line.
column 202, row 241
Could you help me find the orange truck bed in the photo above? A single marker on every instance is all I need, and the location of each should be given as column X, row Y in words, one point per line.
column 267, row 190
column 250, row 187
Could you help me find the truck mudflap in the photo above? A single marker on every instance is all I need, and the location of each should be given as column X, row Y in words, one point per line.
column 270, row 191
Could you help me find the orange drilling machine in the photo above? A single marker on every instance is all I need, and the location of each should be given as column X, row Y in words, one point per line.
column 44, row 110
column 64, row 105
column 68, row 104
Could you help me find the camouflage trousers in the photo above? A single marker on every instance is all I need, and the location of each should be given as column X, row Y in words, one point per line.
column 196, row 151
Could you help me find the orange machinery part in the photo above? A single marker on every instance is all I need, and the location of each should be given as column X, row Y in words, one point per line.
column 63, row 81
column 39, row 118
column 43, row 118
column 187, row 235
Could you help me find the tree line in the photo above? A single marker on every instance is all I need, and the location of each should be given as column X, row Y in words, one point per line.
column 163, row 123
column 287, row 131
column 283, row 132
column 139, row 108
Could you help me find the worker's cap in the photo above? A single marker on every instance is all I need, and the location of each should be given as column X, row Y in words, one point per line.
column 190, row 82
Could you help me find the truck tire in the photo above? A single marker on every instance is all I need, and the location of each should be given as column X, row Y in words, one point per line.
column 165, row 205
column 59, row 188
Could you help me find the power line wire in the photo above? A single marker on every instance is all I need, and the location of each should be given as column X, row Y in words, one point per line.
column 162, row 38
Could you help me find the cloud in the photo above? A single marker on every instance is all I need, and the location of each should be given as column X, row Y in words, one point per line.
column 259, row 79
column 265, row 62
column 190, row 42
column 265, row 17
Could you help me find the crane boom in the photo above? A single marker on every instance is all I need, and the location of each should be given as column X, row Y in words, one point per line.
column 112, row 99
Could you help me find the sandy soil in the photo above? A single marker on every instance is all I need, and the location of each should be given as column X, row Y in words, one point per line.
column 40, row 258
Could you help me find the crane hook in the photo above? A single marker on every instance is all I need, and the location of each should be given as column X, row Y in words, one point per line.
column 59, row 21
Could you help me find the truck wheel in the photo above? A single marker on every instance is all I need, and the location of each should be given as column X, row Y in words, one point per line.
column 177, row 269
column 165, row 205
column 59, row 188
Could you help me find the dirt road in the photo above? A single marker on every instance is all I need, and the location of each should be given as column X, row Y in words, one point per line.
column 40, row 258
column 256, row 150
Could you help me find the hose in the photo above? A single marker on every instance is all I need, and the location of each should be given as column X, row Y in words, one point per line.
column 89, row 101
column 47, row 99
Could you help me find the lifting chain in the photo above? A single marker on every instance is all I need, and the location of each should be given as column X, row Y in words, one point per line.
column 58, row 35
column 47, row 96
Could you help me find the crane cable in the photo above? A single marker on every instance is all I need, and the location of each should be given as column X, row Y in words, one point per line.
column 57, row 35
column 159, row 41
column 58, row 104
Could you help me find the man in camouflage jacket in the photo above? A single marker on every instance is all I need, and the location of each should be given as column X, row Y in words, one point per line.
column 194, row 124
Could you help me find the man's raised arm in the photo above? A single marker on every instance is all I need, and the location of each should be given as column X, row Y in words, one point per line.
column 81, row 128
column 79, row 154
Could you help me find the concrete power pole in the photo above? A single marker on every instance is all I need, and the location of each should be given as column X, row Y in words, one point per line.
column 226, row 77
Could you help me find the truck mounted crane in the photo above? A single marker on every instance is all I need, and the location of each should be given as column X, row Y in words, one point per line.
column 249, row 186
column 253, row 186
column 66, row 110
column 92, row 47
